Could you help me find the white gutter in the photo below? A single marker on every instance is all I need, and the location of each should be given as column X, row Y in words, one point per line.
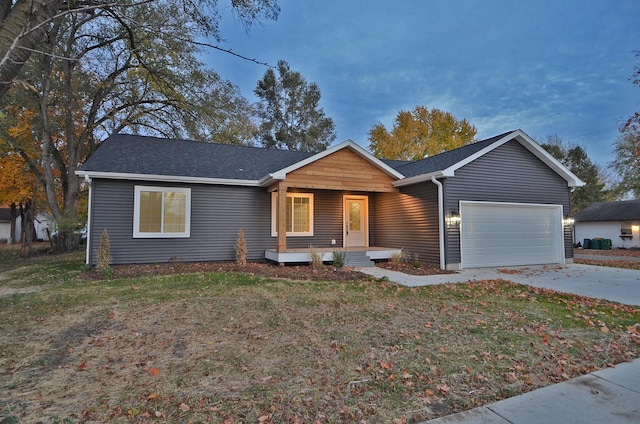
column 167, row 178
column 422, row 178
column 87, row 179
column 441, row 222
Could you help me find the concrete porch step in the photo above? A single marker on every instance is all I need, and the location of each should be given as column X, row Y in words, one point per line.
column 359, row 259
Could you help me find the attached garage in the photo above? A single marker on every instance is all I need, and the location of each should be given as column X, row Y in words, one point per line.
column 503, row 234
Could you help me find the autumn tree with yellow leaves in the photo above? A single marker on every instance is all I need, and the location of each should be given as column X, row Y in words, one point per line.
column 18, row 185
column 120, row 67
column 420, row 133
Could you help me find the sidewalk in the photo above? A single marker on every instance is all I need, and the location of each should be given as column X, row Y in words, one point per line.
column 610, row 396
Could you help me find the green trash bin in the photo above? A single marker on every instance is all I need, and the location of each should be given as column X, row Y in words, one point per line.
column 596, row 244
column 606, row 244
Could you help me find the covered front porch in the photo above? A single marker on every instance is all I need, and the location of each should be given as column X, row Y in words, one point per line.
column 326, row 201
column 355, row 256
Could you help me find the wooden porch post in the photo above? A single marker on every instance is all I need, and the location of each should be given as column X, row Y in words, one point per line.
column 282, row 217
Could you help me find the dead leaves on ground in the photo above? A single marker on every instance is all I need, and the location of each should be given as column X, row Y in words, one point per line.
column 340, row 353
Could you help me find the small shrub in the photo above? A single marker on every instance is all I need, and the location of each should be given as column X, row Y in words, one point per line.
column 396, row 257
column 103, row 265
column 416, row 262
column 316, row 258
column 339, row 259
column 241, row 248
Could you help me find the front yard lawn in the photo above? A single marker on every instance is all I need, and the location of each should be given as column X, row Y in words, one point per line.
column 231, row 347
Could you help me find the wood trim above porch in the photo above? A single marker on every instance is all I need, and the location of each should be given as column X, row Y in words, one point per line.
column 343, row 170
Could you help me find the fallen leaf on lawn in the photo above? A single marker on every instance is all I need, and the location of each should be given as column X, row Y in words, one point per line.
column 263, row 418
column 384, row 365
column 82, row 366
column 604, row 329
column 153, row 371
column 443, row 388
column 184, row 407
column 429, row 392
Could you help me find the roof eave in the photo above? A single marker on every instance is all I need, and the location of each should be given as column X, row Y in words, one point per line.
column 167, row 178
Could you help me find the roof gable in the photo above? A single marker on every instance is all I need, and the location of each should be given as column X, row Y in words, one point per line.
column 344, row 169
column 624, row 210
column 347, row 144
column 447, row 163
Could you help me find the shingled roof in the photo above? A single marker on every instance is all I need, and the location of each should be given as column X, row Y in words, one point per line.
column 134, row 154
column 624, row 210
column 139, row 157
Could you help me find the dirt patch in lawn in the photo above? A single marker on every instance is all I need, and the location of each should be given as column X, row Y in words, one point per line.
column 265, row 269
column 413, row 269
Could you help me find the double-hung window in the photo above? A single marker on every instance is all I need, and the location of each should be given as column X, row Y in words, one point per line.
column 160, row 212
column 299, row 214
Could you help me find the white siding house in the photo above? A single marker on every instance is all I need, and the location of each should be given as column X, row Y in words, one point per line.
column 617, row 221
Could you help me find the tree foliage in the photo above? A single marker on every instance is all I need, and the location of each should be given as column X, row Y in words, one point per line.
column 627, row 163
column 291, row 116
column 27, row 24
column 627, row 150
column 125, row 66
column 575, row 158
column 420, row 133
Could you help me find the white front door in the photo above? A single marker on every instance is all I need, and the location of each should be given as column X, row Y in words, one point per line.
column 356, row 220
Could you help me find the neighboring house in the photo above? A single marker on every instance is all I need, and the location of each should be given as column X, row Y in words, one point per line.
column 41, row 223
column 496, row 202
column 616, row 221
column 5, row 226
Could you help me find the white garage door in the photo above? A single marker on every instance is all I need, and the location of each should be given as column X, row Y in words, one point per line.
column 503, row 234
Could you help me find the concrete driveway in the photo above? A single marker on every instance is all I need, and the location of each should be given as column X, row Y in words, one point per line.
column 615, row 284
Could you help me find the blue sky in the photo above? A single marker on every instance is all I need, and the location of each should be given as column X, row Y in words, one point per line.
column 547, row 67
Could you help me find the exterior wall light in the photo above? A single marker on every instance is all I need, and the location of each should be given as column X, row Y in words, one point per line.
column 453, row 219
column 568, row 221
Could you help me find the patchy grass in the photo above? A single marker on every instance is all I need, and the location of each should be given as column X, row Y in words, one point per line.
column 230, row 347
column 626, row 264
column 615, row 258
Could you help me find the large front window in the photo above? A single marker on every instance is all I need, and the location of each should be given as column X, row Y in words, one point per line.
column 299, row 214
column 161, row 212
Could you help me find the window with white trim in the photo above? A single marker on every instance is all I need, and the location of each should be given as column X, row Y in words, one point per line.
column 299, row 214
column 160, row 212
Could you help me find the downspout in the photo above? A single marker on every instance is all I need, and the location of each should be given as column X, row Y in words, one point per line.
column 440, row 220
column 87, row 179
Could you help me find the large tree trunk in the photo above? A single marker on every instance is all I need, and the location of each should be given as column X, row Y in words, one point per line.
column 26, row 212
column 24, row 26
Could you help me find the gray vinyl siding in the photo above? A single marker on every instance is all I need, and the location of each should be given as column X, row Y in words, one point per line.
column 409, row 220
column 217, row 213
column 328, row 219
column 509, row 173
